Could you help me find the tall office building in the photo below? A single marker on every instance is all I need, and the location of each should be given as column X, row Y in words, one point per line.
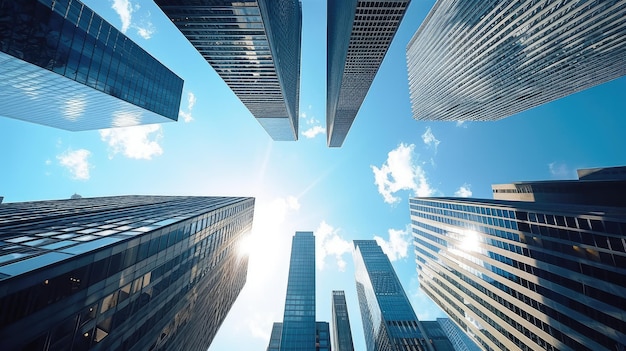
column 255, row 47
column 299, row 331
column 359, row 34
column 460, row 341
column 120, row 273
column 526, row 275
column 63, row 66
column 486, row 60
column 389, row 322
column 341, row 332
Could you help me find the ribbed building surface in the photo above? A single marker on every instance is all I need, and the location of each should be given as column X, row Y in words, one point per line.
column 359, row 34
column 255, row 47
column 63, row 66
column 486, row 60
column 120, row 273
column 523, row 275
column 341, row 331
column 459, row 340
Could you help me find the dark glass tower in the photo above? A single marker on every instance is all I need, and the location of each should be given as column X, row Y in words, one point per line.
column 389, row 322
column 342, row 334
column 63, row 66
column 120, row 273
column 255, row 47
column 544, row 273
column 359, row 34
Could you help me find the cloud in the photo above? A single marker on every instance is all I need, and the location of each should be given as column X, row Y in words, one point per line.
column 461, row 124
column 328, row 242
column 76, row 162
column 125, row 9
column 429, row 138
column 464, row 191
column 138, row 142
column 400, row 172
column 397, row 246
column 313, row 131
column 560, row 170
column 191, row 102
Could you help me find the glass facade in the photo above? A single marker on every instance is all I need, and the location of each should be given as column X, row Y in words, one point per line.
column 120, row 273
column 322, row 336
column 71, row 69
column 277, row 331
column 299, row 318
column 389, row 322
column 460, row 341
column 342, row 334
column 255, row 47
column 491, row 59
column 359, row 34
column 521, row 275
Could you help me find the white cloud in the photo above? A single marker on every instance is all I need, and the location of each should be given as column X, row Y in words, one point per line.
column 125, row 9
column 400, row 172
column 138, row 142
column 429, row 138
column 191, row 102
column 560, row 170
column 464, row 191
column 397, row 246
column 328, row 242
column 76, row 163
column 314, row 131
column 461, row 124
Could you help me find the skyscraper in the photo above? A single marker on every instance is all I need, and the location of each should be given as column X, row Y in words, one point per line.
column 389, row 322
column 120, row 273
column 460, row 341
column 299, row 331
column 63, row 66
column 341, row 332
column 488, row 60
column 255, row 47
column 359, row 34
column 526, row 275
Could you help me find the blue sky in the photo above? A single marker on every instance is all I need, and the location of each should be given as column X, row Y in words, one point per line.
column 359, row 191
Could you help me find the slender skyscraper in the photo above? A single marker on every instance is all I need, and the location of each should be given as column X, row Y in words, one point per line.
column 255, row 47
column 544, row 273
column 486, row 60
column 342, row 334
column 63, row 66
column 389, row 322
column 460, row 341
column 120, row 273
column 359, row 34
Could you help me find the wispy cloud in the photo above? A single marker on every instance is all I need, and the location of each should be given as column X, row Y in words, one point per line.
column 315, row 127
column 397, row 246
column 429, row 138
column 328, row 242
column 464, row 191
column 401, row 172
column 191, row 102
column 125, row 9
column 138, row 142
column 461, row 124
column 313, row 131
column 561, row 171
column 76, row 162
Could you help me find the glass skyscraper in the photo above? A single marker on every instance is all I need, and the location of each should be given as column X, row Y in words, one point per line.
column 359, row 34
column 62, row 65
column 459, row 340
column 120, row 273
column 255, row 47
column 490, row 59
column 341, row 331
column 389, row 322
column 299, row 331
column 544, row 273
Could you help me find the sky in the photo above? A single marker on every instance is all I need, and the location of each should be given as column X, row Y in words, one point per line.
column 358, row 191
